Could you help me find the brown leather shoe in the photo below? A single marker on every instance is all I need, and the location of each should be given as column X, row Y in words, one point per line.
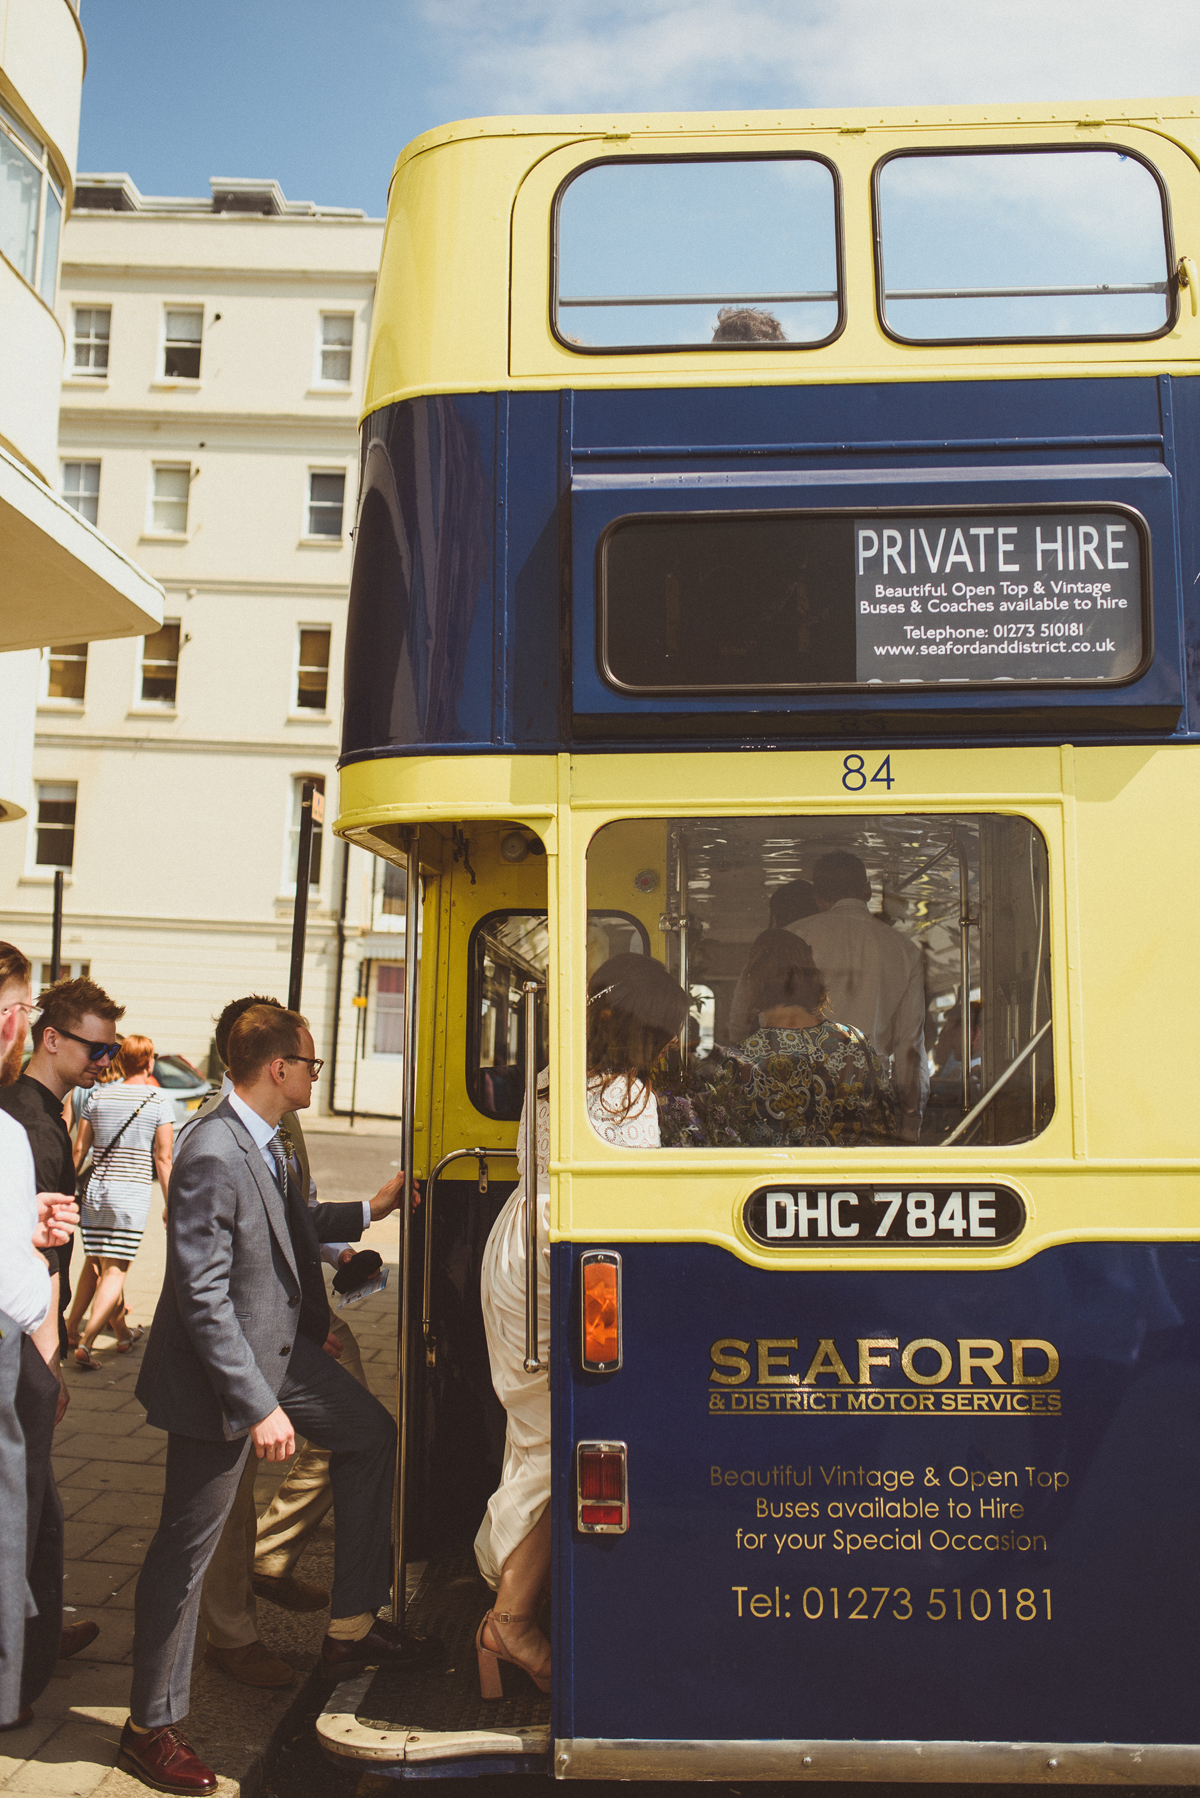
column 290, row 1593
column 382, row 1643
column 162, row 1759
column 253, row 1665
column 76, row 1637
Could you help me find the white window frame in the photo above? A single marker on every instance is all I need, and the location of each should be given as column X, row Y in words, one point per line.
column 80, row 462
column 308, row 536
column 295, row 797
column 306, row 713
column 164, row 379
column 371, row 1053
column 54, row 703
column 319, row 378
column 25, row 141
column 158, row 707
column 45, row 871
column 93, row 376
column 155, row 531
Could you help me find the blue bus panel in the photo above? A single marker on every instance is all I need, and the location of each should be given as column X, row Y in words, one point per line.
column 1003, row 1547
column 473, row 620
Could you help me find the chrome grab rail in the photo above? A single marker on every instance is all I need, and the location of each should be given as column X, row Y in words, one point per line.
column 412, row 902
column 1003, row 1079
column 481, row 1156
column 532, row 1363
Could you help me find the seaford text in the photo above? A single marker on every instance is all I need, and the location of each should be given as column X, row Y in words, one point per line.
column 989, row 1375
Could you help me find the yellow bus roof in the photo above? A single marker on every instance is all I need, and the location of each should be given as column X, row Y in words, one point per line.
column 464, row 284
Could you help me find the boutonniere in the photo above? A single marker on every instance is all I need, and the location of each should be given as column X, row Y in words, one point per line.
column 289, row 1147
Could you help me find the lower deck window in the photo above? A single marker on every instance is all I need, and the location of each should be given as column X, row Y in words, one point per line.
column 849, row 981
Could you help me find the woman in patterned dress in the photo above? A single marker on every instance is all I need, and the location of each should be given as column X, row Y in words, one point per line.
column 129, row 1125
column 800, row 1080
column 634, row 1012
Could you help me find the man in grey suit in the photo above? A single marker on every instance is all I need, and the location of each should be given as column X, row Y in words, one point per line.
column 235, row 1359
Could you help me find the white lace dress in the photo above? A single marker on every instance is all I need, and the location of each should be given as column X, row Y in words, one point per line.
column 524, row 1490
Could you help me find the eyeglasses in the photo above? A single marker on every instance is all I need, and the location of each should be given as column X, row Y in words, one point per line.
column 96, row 1051
column 312, row 1063
column 32, row 1012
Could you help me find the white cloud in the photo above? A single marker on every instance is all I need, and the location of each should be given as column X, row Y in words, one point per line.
column 675, row 55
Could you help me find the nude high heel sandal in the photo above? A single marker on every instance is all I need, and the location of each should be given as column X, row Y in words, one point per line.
column 490, row 1658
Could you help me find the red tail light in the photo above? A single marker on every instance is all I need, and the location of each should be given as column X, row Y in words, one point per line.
column 600, row 1287
column 601, row 1488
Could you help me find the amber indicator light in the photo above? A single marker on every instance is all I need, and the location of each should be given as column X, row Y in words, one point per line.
column 600, row 1295
column 601, row 1488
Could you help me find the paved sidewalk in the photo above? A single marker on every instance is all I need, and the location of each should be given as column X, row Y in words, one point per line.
column 109, row 1465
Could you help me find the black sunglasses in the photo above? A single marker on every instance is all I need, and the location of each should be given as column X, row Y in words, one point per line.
column 96, row 1051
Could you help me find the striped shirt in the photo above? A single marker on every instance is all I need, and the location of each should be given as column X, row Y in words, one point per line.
column 107, row 1108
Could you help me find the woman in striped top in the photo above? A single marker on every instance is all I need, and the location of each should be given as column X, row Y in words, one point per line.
column 129, row 1126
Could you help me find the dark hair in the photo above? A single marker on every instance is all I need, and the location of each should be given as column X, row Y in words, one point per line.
column 781, row 971
column 839, row 875
column 13, row 964
column 65, row 1005
column 748, row 324
column 787, row 904
column 260, row 1035
column 634, row 1009
column 230, row 1016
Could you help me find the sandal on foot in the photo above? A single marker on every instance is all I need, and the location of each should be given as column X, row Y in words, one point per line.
column 490, row 1658
column 85, row 1359
column 125, row 1343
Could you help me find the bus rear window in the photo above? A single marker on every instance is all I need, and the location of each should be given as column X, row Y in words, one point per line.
column 733, row 253
column 852, row 981
column 1029, row 244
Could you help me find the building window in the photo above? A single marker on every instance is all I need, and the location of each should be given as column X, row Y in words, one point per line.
column 312, row 674
column 54, row 836
column 336, row 348
column 314, row 864
column 81, row 488
column 66, row 672
column 169, row 506
column 181, row 345
column 71, row 970
column 93, row 325
column 160, row 664
column 389, row 1008
column 326, row 497
column 31, row 206
column 395, row 890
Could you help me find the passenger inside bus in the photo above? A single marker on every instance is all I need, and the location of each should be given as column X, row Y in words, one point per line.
column 635, row 1011
column 786, row 905
column 748, row 324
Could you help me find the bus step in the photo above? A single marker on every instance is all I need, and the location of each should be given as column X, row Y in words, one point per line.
column 424, row 1724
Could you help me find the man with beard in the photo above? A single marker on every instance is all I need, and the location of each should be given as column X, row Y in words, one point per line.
column 33, row 1395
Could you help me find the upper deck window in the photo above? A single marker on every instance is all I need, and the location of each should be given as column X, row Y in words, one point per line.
column 1031, row 245
column 713, row 252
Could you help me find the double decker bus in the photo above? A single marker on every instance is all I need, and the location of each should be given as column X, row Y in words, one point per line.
column 745, row 497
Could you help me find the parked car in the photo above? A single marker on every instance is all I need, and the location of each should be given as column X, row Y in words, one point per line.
column 184, row 1086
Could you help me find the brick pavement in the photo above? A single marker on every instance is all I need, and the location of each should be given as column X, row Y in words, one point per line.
column 109, row 1465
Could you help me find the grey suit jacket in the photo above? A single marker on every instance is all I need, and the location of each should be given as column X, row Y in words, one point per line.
column 230, row 1305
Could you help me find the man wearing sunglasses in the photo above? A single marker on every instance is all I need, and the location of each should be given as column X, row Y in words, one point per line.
column 73, row 1033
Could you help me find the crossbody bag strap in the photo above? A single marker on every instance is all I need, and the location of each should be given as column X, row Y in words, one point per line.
column 108, row 1148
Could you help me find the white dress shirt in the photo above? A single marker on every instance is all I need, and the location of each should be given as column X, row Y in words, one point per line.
column 263, row 1133
column 24, row 1276
column 876, row 983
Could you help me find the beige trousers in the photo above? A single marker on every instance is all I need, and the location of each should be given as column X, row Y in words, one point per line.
column 273, row 1544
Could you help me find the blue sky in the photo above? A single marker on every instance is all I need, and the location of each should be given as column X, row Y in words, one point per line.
column 323, row 97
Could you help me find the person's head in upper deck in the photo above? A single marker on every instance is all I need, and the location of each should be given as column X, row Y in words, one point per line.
column 783, row 984
column 840, row 875
column 748, row 324
column 787, row 904
column 635, row 1010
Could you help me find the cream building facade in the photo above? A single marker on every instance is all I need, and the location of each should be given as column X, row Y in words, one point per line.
column 208, row 427
column 59, row 579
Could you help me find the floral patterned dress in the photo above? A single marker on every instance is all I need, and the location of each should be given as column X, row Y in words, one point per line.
column 823, row 1087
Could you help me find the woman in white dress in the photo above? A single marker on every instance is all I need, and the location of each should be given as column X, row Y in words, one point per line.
column 635, row 1010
